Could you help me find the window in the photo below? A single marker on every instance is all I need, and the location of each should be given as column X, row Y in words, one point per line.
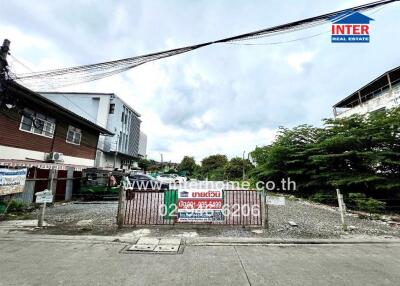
column 112, row 108
column 37, row 123
column 74, row 135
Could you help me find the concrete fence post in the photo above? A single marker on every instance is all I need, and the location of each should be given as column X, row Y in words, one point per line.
column 69, row 184
column 264, row 211
column 121, row 206
column 342, row 209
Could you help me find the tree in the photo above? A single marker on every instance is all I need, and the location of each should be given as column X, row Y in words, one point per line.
column 144, row 164
column 358, row 154
column 287, row 156
column 187, row 165
column 148, row 165
column 234, row 168
column 214, row 166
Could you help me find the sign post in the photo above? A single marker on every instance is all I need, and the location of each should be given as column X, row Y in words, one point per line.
column 43, row 197
column 271, row 200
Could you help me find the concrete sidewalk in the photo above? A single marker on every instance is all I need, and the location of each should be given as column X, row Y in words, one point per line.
column 55, row 260
column 197, row 241
column 21, row 230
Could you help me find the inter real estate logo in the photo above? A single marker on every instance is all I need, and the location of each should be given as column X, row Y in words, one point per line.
column 350, row 27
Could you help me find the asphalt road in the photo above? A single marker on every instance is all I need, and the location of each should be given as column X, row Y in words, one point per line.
column 27, row 262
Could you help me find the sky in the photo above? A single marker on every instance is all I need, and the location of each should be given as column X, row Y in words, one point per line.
column 224, row 98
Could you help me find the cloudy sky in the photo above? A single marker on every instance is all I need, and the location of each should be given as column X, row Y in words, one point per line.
column 219, row 99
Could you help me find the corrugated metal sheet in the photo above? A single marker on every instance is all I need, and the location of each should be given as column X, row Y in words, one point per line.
column 27, row 195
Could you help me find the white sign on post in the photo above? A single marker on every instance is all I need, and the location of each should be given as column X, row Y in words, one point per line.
column 44, row 197
column 277, row 201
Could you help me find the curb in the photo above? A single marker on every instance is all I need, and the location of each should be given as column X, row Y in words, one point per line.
column 198, row 241
column 210, row 241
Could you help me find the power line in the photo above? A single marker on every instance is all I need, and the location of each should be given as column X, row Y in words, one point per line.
column 293, row 40
column 73, row 103
column 86, row 73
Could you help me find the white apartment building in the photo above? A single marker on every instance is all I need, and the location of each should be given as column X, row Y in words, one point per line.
column 112, row 113
column 380, row 94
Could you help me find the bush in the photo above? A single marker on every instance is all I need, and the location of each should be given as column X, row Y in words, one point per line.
column 366, row 204
column 17, row 206
column 2, row 208
column 323, row 197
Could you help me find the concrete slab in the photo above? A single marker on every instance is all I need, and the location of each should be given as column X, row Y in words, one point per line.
column 85, row 222
column 21, row 223
column 187, row 234
column 148, row 241
column 143, row 247
column 170, row 241
column 137, row 233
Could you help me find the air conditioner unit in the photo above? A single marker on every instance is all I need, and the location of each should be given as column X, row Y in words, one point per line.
column 55, row 156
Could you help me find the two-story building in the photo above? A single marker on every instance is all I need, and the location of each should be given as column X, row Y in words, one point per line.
column 112, row 113
column 380, row 94
column 54, row 143
column 35, row 128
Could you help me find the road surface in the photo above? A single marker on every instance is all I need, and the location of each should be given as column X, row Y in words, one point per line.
column 51, row 262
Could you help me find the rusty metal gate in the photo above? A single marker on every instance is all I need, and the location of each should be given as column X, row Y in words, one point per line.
column 156, row 207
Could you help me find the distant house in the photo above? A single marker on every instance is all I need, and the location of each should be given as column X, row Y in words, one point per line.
column 380, row 94
column 54, row 143
column 37, row 129
column 112, row 113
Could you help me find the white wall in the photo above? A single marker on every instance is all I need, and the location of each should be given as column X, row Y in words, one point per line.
column 142, row 144
column 12, row 153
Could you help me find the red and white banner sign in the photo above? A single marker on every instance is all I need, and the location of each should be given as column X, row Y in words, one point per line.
column 200, row 205
column 190, row 204
column 199, row 194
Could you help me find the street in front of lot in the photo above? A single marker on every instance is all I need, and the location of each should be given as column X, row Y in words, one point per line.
column 57, row 261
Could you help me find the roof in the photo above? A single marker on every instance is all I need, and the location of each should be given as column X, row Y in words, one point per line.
column 92, row 93
column 30, row 96
column 39, row 164
column 370, row 87
column 350, row 17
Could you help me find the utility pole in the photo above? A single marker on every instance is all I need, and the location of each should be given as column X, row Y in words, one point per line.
column 3, row 58
column 244, row 173
column 116, row 152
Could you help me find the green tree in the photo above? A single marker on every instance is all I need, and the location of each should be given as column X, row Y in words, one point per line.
column 187, row 165
column 234, row 168
column 144, row 164
column 358, row 154
column 214, row 166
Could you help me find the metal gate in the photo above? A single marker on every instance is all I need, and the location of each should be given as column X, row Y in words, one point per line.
column 156, row 207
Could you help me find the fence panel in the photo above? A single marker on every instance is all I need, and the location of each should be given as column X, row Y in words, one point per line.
column 156, row 207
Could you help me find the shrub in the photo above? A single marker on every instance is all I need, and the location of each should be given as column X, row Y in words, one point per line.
column 366, row 204
column 17, row 206
column 323, row 197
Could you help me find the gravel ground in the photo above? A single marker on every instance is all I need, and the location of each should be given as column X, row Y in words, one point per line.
column 313, row 221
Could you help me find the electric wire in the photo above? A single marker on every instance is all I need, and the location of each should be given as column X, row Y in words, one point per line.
column 86, row 73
